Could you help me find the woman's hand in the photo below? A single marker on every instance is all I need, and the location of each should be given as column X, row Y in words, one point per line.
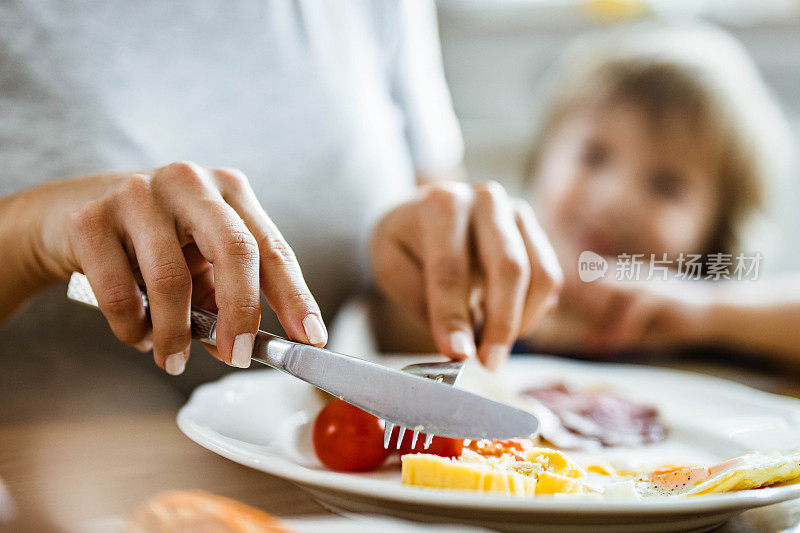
column 196, row 236
column 430, row 253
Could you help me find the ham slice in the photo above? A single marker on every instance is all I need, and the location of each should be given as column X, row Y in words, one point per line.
column 598, row 416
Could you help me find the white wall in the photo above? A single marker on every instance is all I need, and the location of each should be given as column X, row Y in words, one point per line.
column 495, row 54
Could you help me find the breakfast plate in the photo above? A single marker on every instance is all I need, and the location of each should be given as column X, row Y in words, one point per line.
column 262, row 419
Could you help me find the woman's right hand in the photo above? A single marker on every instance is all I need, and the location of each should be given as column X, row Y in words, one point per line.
column 198, row 236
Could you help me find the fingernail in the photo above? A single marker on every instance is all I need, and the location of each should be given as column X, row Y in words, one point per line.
column 242, row 350
column 175, row 364
column 495, row 355
column 144, row 345
column 462, row 343
column 315, row 329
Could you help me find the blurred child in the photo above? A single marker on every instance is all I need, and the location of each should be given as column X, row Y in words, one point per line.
column 661, row 141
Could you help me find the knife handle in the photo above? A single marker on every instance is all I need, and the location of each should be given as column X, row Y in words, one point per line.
column 269, row 349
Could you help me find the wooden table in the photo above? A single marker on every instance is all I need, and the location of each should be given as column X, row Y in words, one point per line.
column 65, row 474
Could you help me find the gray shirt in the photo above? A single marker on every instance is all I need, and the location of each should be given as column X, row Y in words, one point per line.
column 328, row 107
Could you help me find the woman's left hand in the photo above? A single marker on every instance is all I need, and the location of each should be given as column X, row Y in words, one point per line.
column 430, row 253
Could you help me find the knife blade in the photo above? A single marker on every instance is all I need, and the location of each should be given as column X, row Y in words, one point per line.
column 399, row 398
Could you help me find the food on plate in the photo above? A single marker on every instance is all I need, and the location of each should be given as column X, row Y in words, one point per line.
column 594, row 417
column 348, row 439
column 749, row 471
column 603, row 468
column 195, row 510
column 539, row 471
column 495, row 448
column 441, row 446
column 423, row 470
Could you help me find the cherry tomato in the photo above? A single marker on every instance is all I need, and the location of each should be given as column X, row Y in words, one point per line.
column 443, row 446
column 348, row 439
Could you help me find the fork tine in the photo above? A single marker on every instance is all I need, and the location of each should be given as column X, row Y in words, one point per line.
column 387, row 434
column 414, row 438
column 447, row 373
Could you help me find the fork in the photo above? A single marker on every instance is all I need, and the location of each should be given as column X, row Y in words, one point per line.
column 447, row 373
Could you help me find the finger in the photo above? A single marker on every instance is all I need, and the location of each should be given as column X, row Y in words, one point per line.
column 604, row 326
column 445, row 261
column 164, row 271
column 203, row 294
column 592, row 301
column 504, row 260
column 573, row 290
column 631, row 325
column 281, row 278
column 224, row 240
column 547, row 278
column 397, row 268
column 476, row 299
column 399, row 275
column 107, row 267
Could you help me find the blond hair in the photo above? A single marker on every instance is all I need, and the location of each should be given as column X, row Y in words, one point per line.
column 704, row 75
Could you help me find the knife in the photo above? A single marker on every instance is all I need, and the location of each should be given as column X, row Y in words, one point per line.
column 401, row 399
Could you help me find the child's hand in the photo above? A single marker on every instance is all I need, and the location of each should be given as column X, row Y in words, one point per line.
column 612, row 316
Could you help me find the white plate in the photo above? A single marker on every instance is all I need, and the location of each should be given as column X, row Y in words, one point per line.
column 262, row 419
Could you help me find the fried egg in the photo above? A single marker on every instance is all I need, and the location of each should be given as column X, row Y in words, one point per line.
column 749, row 471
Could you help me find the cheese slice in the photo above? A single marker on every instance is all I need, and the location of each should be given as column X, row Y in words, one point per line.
column 544, row 471
column 425, row 470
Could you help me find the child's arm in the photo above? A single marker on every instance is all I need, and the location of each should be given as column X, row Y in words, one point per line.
column 761, row 317
column 607, row 316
